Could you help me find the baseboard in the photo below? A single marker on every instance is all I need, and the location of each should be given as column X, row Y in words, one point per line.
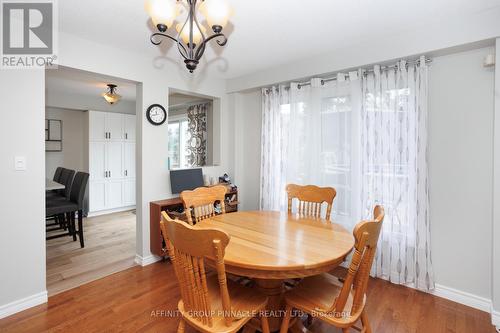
column 110, row 211
column 144, row 261
column 23, row 304
column 495, row 318
column 455, row 295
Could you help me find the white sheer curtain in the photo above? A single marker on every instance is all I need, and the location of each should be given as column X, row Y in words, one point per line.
column 365, row 135
column 273, row 150
column 394, row 171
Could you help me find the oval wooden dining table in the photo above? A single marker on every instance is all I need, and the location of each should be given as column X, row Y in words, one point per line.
column 271, row 247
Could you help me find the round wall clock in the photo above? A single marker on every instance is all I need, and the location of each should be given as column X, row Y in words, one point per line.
column 156, row 114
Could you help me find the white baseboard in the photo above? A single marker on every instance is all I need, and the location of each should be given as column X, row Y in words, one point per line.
column 455, row 295
column 495, row 318
column 23, row 304
column 144, row 261
column 110, row 211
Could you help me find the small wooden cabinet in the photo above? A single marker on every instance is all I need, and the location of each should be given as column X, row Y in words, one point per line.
column 175, row 209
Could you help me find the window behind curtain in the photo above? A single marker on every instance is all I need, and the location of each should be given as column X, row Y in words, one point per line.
column 178, row 136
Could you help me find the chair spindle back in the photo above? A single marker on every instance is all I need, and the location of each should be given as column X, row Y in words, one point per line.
column 311, row 198
column 199, row 203
column 187, row 248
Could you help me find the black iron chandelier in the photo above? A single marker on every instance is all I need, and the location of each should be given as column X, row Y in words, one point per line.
column 191, row 40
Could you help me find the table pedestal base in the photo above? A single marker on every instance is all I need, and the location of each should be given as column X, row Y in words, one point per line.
column 274, row 290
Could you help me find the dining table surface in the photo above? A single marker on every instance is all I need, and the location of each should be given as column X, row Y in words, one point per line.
column 271, row 247
column 53, row 185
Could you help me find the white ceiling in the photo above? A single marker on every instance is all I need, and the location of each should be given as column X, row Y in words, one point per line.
column 77, row 82
column 266, row 33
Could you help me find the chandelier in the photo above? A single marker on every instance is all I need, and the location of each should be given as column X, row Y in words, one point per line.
column 191, row 39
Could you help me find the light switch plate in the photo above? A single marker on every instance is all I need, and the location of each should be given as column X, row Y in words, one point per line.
column 20, row 163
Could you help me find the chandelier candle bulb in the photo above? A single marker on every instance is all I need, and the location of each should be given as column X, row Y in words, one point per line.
column 191, row 38
column 162, row 12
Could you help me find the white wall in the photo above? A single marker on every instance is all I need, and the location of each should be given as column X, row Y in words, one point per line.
column 460, row 170
column 22, row 193
column 460, row 166
column 23, row 239
column 84, row 102
column 72, row 155
column 248, row 123
column 495, row 236
column 400, row 44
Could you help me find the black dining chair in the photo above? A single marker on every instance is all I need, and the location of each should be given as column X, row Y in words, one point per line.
column 66, row 178
column 56, row 178
column 68, row 208
column 57, row 174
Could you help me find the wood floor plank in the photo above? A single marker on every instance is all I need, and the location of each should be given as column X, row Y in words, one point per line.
column 140, row 299
column 109, row 248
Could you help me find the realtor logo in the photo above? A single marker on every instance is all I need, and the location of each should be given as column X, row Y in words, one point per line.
column 28, row 33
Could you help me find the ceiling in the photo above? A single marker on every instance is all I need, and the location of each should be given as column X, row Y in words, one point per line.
column 77, row 82
column 265, row 33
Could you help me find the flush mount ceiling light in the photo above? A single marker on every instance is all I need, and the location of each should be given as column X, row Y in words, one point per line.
column 111, row 96
column 191, row 40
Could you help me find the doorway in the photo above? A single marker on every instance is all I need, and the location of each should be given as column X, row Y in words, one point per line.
column 90, row 129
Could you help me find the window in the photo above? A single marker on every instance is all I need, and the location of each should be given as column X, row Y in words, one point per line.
column 178, row 138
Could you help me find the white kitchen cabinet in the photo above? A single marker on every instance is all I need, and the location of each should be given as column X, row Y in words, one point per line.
column 129, row 127
column 97, row 160
column 111, row 161
column 114, row 160
column 107, row 126
column 129, row 159
column 114, row 126
column 97, row 196
column 129, row 192
column 97, row 126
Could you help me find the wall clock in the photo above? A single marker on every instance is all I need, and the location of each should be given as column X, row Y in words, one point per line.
column 156, row 114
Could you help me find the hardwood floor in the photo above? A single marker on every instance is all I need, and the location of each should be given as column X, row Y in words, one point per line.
column 109, row 248
column 138, row 300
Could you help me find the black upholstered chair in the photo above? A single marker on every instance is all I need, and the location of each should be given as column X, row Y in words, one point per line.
column 66, row 179
column 58, row 207
column 57, row 174
column 56, row 178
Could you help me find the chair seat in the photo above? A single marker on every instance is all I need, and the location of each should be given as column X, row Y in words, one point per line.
column 59, row 206
column 54, row 195
column 245, row 303
column 317, row 294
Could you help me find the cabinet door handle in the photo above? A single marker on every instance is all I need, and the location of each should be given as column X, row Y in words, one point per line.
column 126, row 136
column 105, row 174
column 126, row 173
column 109, row 135
column 109, row 174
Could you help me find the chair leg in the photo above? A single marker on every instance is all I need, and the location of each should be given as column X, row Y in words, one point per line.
column 67, row 223
column 264, row 323
column 73, row 226
column 80, row 228
column 182, row 326
column 286, row 319
column 364, row 321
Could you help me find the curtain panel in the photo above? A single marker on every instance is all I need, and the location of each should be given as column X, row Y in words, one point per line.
column 365, row 134
column 196, row 150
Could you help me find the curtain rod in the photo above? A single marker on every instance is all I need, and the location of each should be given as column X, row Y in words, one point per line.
column 365, row 72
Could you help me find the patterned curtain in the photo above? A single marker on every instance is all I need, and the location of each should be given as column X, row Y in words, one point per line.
column 196, row 151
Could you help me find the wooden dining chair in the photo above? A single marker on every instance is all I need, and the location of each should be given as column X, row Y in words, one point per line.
column 311, row 198
column 206, row 304
column 340, row 304
column 199, row 203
